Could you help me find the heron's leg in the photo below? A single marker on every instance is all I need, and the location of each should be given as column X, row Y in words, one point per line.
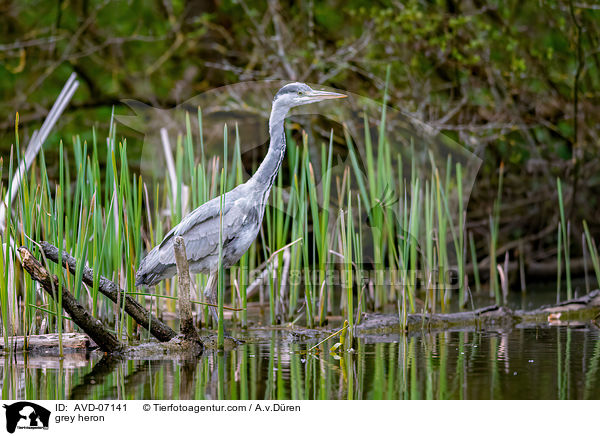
column 210, row 292
column 211, row 296
column 199, row 308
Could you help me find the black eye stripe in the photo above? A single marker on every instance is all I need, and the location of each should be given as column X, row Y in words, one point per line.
column 293, row 89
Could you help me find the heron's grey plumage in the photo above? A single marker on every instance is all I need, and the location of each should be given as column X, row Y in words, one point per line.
column 200, row 231
column 243, row 208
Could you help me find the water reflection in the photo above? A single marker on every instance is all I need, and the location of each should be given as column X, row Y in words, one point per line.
column 540, row 363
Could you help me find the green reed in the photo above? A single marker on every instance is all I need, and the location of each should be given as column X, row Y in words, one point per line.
column 346, row 232
column 558, row 262
column 593, row 251
column 5, row 260
column 566, row 238
column 494, row 235
column 108, row 217
column 319, row 230
column 473, row 251
column 97, row 217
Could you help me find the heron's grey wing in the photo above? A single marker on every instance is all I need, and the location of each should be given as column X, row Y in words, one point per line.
column 203, row 239
column 200, row 229
column 203, row 214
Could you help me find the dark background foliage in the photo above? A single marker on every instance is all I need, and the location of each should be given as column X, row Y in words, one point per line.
column 514, row 81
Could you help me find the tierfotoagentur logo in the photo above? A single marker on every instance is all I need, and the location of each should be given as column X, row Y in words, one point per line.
column 26, row 415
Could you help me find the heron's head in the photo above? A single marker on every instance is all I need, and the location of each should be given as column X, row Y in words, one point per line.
column 296, row 94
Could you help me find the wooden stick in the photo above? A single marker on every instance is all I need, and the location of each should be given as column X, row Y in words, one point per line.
column 183, row 278
column 84, row 320
column 143, row 317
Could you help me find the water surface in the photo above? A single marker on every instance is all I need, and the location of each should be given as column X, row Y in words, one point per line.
column 532, row 363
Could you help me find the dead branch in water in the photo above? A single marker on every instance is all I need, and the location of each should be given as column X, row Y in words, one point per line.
column 51, row 340
column 143, row 317
column 84, row 320
column 577, row 310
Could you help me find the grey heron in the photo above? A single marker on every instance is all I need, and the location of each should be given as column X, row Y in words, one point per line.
column 243, row 209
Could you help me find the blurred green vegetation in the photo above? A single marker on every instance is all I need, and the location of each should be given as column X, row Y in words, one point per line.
column 515, row 81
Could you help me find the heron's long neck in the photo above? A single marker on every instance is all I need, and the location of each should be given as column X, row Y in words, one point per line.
column 267, row 171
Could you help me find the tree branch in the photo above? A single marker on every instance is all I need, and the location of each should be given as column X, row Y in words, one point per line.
column 134, row 309
column 80, row 316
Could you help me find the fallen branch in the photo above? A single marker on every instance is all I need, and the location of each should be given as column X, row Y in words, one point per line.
column 583, row 309
column 143, row 317
column 80, row 316
column 51, row 340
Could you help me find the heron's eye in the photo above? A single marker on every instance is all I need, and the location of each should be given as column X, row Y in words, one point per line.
column 300, row 93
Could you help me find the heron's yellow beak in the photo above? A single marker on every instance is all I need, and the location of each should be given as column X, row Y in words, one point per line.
column 324, row 95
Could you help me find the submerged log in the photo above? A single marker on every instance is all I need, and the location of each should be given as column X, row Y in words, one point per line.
column 143, row 317
column 74, row 341
column 80, row 316
column 585, row 308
